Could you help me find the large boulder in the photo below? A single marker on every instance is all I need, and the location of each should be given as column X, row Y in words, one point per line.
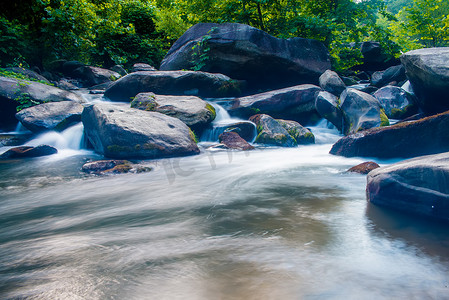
column 14, row 92
column 361, row 111
column 246, row 53
column 402, row 140
column 28, row 151
column 271, row 132
column 397, row 103
column 50, row 116
column 392, row 74
column 173, row 83
column 418, row 186
column 332, row 83
column 28, row 73
column 293, row 103
column 327, row 105
column 302, row 135
column 91, row 76
column 233, row 141
column 193, row 111
column 121, row 132
column 428, row 72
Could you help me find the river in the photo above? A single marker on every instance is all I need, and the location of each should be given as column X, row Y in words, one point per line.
column 273, row 223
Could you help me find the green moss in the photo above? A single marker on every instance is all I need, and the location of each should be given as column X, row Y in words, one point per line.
column 254, row 111
column 193, row 136
column 259, row 129
column 211, row 109
column 23, row 78
column 118, row 148
column 383, row 118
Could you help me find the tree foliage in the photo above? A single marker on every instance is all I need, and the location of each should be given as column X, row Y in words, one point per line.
column 107, row 32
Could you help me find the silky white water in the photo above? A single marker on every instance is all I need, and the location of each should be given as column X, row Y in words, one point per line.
column 271, row 223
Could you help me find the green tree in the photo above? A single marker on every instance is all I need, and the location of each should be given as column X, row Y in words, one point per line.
column 424, row 24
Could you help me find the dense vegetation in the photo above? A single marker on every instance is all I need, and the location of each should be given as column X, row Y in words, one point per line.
column 108, row 32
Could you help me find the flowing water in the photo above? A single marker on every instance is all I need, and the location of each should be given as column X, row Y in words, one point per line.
column 265, row 224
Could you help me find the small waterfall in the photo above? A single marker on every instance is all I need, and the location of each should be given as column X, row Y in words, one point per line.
column 223, row 121
column 69, row 139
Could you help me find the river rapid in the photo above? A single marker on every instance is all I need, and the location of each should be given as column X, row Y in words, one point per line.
column 273, row 223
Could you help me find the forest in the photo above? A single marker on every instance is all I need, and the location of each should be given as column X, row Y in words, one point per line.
column 123, row 32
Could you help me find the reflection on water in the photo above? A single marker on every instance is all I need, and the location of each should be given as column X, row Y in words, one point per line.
column 266, row 224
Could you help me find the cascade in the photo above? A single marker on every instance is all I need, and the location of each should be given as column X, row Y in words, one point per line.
column 222, row 122
column 69, row 139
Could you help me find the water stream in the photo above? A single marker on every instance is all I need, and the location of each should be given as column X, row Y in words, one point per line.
column 271, row 223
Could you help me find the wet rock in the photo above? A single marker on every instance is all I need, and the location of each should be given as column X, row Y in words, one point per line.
column 13, row 92
column 192, row 110
column 173, row 83
column 332, row 83
column 233, row 141
column 361, row 111
column 50, row 116
column 142, row 67
column 270, row 132
column 107, row 166
column 382, row 78
column 397, row 103
column 119, row 69
column 364, row 168
column 93, row 75
column 28, row 73
column 121, row 132
column 327, row 106
column 246, row 53
column 293, row 103
column 372, row 52
column 418, row 186
column 67, row 85
column 428, row 72
column 8, row 139
column 28, row 151
column 302, row 135
column 402, row 140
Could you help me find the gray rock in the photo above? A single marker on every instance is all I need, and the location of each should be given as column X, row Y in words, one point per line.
column 302, row 135
column 142, row 67
column 29, row 73
column 67, row 85
column 271, row 132
column 396, row 102
column 418, row 186
column 13, row 91
column 361, row 111
column 121, row 132
column 119, row 69
column 192, row 110
column 246, row 53
column 173, row 83
column 332, row 83
column 382, row 78
column 293, row 103
column 364, row 168
column 372, row 52
column 428, row 72
column 50, row 116
column 94, row 76
column 402, row 140
column 327, row 106
column 233, row 141
column 28, row 151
